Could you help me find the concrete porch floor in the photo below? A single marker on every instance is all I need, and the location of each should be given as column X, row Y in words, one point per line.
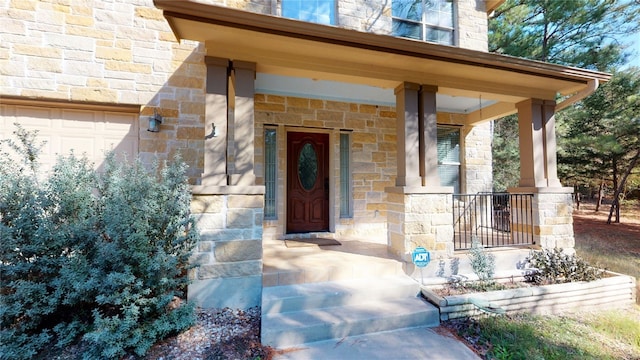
column 355, row 258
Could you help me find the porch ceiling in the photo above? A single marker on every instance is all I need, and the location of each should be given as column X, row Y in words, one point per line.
column 281, row 46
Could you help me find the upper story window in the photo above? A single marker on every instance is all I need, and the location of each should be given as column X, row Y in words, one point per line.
column 426, row 20
column 317, row 11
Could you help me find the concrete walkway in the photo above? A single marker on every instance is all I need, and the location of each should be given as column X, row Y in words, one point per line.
column 421, row 343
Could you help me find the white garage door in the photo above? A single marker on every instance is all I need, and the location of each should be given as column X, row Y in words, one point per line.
column 87, row 132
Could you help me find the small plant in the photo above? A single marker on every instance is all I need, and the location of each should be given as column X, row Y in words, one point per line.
column 555, row 266
column 482, row 263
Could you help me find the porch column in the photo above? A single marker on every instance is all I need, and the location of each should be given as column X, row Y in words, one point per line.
column 419, row 210
column 428, row 136
column 228, row 206
column 243, row 80
column 216, row 110
column 552, row 204
column 536, row 123
column 408, row 131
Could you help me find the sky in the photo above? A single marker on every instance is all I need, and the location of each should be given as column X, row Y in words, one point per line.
column 634, row 41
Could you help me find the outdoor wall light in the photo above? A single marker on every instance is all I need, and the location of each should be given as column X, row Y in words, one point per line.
column 154, row 122
column 214, row 132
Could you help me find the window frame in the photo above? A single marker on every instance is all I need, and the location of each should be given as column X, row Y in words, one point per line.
column 426, row 25
column 346, row 183
column 333, row 12
column 270, row 169
column 458, row 164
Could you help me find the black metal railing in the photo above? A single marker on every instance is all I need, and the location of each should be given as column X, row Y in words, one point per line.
column 494, row 219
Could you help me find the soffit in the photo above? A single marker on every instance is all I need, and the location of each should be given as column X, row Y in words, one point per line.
column 288, row 47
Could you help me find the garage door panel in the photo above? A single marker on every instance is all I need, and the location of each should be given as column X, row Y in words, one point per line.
column 86, row 132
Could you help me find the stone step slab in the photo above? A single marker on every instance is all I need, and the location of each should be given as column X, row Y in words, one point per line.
column 280, row 299
column 293, row 315
column 282, row 330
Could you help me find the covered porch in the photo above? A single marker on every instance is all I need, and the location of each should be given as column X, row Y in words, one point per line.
column 265, row 72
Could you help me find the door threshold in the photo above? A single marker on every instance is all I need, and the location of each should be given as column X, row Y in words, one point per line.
column 309, row 235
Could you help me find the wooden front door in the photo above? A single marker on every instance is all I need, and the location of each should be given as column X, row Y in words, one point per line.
column 307, row 182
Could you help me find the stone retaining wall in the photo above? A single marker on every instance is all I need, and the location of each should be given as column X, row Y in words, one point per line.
column 615, row 291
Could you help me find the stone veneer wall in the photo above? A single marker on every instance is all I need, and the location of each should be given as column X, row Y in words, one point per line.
column 553, row 220
column 113, row 52
column 477, row 159
column 420, row 219
column 373, row 161
column 229, row 253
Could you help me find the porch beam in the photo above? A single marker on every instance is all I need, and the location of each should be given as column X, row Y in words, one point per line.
column 491, row 112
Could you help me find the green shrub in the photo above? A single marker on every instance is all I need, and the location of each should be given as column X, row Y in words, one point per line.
column 482, row 263
column 555, row 266
column 98, row 258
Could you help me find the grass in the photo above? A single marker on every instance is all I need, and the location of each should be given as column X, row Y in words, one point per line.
column 581, row 335
column 604, row 335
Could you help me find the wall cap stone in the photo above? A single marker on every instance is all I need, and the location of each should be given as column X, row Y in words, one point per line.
column 419, row 189
column 540, row 190
column 227, row 190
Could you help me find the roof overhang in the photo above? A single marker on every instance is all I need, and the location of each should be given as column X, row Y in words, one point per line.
column 492, row 5
column 281, row 46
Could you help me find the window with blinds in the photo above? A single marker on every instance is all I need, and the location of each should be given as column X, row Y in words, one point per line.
column 449, row 157
column 270, row 174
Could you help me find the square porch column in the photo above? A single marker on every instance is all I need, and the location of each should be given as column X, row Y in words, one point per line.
column 419, row 210
column 552, row 204
column 228, row 206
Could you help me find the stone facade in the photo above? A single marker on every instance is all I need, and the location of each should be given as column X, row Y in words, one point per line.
column 553, row 220
column 110, row 52
column 420, row 219
column 477, row 159
column 124, row 53
column 229, row 253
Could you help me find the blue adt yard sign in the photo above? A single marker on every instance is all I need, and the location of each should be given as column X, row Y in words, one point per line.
column 421, row 257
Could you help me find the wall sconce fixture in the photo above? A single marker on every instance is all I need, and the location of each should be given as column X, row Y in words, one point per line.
column 214, row 132
column 154, row 122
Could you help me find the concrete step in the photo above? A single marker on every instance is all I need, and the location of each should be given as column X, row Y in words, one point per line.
column 317, row 270
column 297, row 297
column 300, row 327
column 298, row 314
